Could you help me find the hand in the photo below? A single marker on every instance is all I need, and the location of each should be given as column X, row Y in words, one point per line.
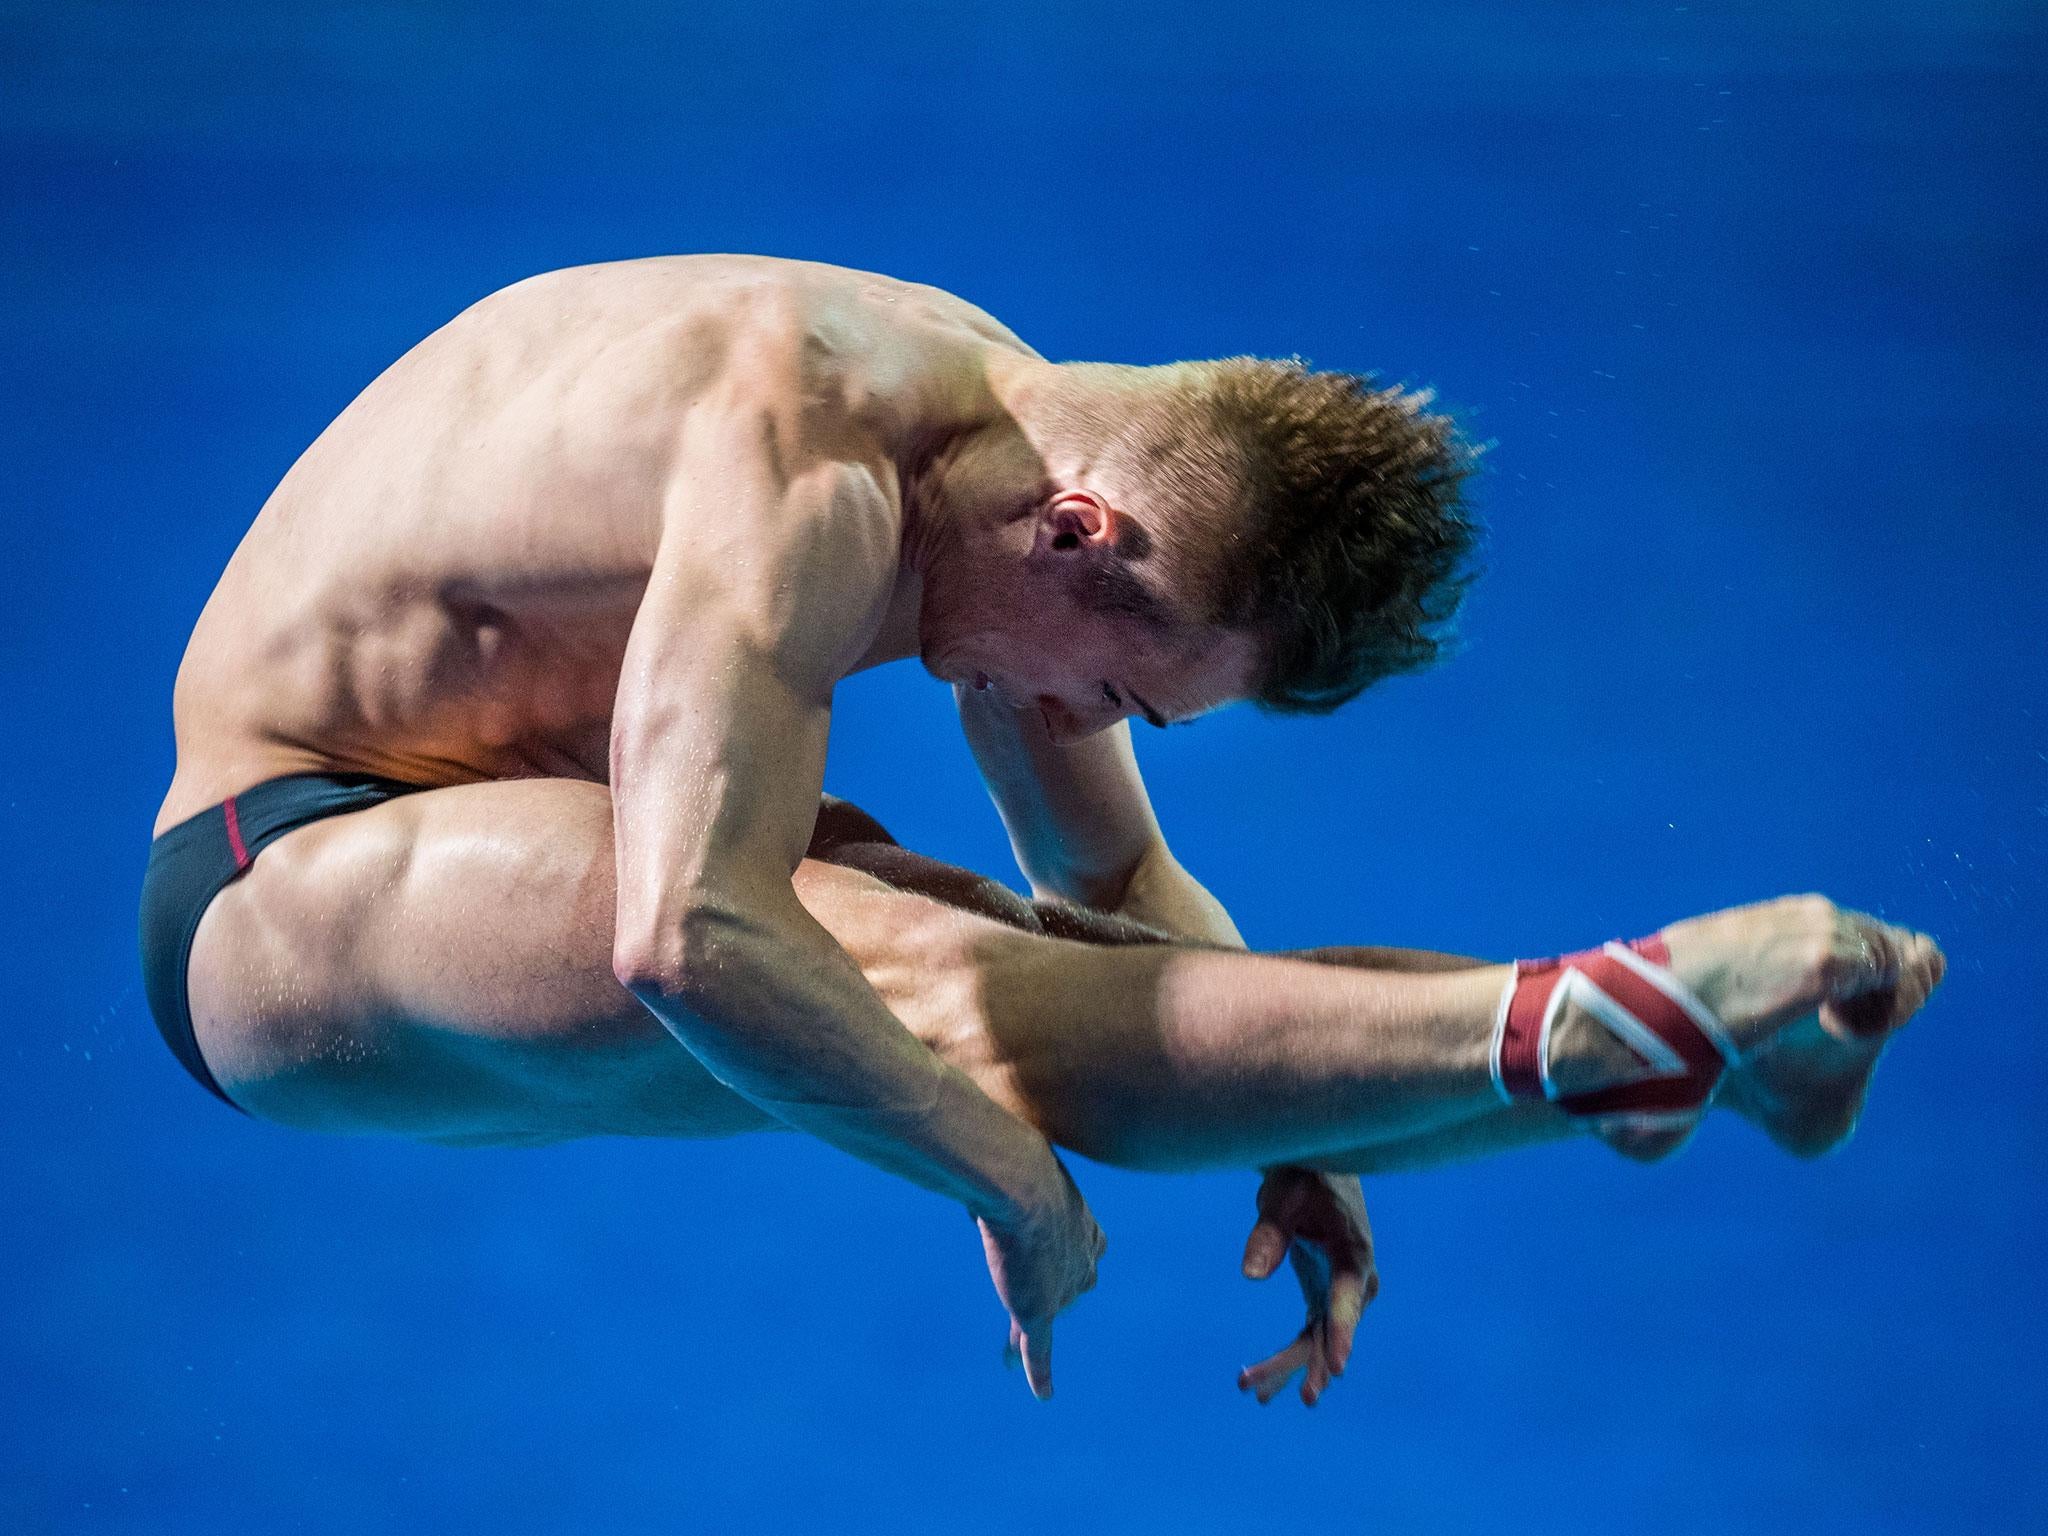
column 1318, row 1221
column 1040, row 1265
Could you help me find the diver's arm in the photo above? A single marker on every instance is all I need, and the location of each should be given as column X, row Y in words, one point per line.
column 1080, row 822
column 1163, row 894
column 754, row 607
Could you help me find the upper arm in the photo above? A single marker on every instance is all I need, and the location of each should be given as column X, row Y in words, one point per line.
column 771, row 575
column 1077, row 813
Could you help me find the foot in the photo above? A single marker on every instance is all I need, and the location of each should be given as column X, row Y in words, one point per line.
column 1811, row 994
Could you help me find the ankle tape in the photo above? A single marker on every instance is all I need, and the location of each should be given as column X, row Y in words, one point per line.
column 1629, row 988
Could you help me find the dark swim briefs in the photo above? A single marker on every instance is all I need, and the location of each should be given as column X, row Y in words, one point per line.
column 190, row 862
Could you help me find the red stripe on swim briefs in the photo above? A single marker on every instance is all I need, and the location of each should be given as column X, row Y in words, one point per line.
column 235, row 844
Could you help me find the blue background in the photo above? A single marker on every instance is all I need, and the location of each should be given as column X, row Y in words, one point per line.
column 1750, row 298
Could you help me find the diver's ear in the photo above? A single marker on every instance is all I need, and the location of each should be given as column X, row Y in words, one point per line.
column 1075, row 520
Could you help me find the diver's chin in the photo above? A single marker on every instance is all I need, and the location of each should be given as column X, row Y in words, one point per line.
column 956, row 665
column 948, row 667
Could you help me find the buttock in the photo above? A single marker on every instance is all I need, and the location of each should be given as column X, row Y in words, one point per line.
column 191, row 862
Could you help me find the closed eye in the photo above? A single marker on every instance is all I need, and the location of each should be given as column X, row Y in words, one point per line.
column 1151, row 715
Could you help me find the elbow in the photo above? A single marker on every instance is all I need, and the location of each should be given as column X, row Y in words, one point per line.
column 648, row 972
column 681, row 953
column 658, row 959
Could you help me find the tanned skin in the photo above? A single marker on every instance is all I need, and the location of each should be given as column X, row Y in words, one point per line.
column 590, row 561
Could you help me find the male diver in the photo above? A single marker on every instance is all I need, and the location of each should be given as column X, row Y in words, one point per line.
column 497, row 815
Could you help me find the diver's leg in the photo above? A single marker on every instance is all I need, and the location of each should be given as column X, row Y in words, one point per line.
column 1168, row 1055
column 1804, row 1090
column 440, row 966
column 848, row 838
column 1804, row 1087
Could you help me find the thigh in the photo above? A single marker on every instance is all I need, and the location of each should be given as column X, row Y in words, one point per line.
column 440, row 966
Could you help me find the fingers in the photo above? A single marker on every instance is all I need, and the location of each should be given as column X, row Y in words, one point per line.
column 1270, row 1376
column 1305, row 1357
column 1317, row 1382
column 1351, row 1292
column 1037, row 1348
column 1321, row 1351
column 1264, row 1250
column 1032, row 1348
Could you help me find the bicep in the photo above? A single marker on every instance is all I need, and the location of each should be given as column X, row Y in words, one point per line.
column 716, row 762
column 751, row 614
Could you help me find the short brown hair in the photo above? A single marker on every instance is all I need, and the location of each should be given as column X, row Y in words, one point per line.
column 1320, row 512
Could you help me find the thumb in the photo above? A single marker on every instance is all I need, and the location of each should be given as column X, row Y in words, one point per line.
column 1264, row 1250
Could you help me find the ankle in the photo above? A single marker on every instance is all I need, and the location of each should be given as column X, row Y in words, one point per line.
column 1609, row 1032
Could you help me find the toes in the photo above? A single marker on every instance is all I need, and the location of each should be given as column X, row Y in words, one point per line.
column 1925, row 967
column 1871, row 978
column 1929, row 960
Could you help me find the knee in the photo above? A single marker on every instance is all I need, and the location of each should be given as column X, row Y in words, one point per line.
column 916, row 875
column 1085, row 925
column 841, row 823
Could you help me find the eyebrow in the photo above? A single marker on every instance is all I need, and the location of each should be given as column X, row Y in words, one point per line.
column 1152, row 716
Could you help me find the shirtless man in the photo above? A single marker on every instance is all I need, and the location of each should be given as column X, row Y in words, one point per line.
column 520, row 684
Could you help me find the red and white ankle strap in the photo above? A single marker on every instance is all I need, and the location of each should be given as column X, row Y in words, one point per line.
column 1630, row 989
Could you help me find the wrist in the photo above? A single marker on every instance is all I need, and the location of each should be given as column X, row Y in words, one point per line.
column 1002, row 1167
column 1029, row 1194
column 1162, row 894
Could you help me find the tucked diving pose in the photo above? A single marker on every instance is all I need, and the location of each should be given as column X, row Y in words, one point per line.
column 498, row 813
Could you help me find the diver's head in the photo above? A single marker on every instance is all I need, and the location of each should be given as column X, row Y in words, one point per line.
column 1157, row 541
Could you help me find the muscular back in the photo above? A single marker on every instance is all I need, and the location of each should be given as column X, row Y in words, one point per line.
column 442, row 586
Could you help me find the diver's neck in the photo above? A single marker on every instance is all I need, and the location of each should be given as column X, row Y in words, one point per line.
column 994, row 460
column 955, row 478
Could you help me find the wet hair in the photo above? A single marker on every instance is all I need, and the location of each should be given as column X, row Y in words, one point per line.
column 1320, row 512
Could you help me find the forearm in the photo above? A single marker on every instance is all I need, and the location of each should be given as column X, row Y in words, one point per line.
column 1076, row 812
column 776, row 1011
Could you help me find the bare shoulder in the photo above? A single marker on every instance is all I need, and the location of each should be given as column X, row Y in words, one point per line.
column 771, row 289
column 839, row 350
column 937, row 303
